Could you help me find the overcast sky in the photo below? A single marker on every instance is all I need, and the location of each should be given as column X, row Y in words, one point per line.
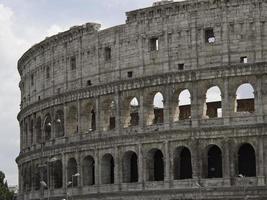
column 26, row 22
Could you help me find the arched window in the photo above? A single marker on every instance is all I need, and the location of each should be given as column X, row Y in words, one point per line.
column 88, row 116
column 130, row 167
column 134, row 112
column 59, row 123
column 246, row 161
column 107, row 169
column 88, row 170
column 71, row 171
column 38, row 128
column 245, row 98
column 108, row 114
column 213, row 104
column 214, row 162
column 184, row 105
column 182, row 163
column 155, row 165
column 36, row 177
column 31, row 131
column 93, row 120
column 72, row 120
column 47, row 127
column 57, row 174
column 158, row 108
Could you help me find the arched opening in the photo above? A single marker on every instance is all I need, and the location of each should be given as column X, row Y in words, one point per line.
column 245, row 99
column 158, row 106
column 93, row 120
column 134, row 112
column 107, row 169
column 88, row 116
column 36, row 177
column 213, row 104
column 38, row 128
column 182, row 163
column 112, row 118
column 47, row 127
column 31, row 131
column 71, row 171
column 155, row 165
column 214, row 162
column 57, row 174
column 88, row 170
column 130, row 167
column 59, row 124
column 184, row 105
column 72, row 120
column 247, row 160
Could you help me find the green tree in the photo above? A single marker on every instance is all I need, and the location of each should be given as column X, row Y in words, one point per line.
column 5, row 194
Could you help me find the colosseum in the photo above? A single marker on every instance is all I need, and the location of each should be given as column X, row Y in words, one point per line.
column 168, row 106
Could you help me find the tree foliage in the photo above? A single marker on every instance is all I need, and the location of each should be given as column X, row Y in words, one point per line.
column 5, row 194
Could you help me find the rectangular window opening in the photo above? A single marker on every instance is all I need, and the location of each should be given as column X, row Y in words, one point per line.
column 73, row 63
column 244, row 59
column 32, row 79
column 154, row 44
column 107, row 53
column 209, row 35
column 130, row 74
column 48, row 72
column 89, row 83
column 181, row 66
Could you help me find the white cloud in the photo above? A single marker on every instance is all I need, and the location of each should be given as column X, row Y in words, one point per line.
column 54, row 29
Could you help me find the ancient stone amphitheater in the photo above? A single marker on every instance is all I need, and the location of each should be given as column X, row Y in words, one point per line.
column 170, row 105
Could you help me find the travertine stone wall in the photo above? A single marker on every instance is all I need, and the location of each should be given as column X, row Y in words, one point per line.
column 76, row 89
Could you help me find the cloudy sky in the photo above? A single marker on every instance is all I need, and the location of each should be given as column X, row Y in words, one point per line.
column 26, row 22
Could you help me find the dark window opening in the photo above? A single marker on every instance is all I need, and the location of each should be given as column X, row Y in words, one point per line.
column 213, row 109
column 209, row 35
column 182, row 165
column 184, row 112
column 246, row 161
column 158, row 166
column 73, row 63
column 107, row 53
column 32, row 79
column 181, row 66
column 93, row 120
column 158, row 116
column 244, row 59
column 107, row 169
column 112, row 123
column 48, row 72
column 71, row 171
column 130, row 74
column 134, row 168
column 134, row 121
column 39, row 98
column 214, row 162
column 89, row 83
column 88, row 171
column 245, row 105
column 154, row 44
column 57, row 174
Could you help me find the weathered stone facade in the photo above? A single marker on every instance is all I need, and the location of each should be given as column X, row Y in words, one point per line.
column 77, row 115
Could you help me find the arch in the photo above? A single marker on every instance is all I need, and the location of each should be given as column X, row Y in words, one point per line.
column 107, row 169
column 59, row 124
column 134, row 112
column 38, row 127
column 214, row 158
column 213, row 103
column 130, row 167
column 88, row 168
column 88, row 117
column 247, row 160
column 158, row 106
column 245, row 99
column 184, row 105
column 182, row 163
column 72, row 120
column 47, row 127
column 108, row 114
column 57, row 174
column 71, row 171
column 155, row 165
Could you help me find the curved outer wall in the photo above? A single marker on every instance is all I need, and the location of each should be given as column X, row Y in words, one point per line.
column 76, row 89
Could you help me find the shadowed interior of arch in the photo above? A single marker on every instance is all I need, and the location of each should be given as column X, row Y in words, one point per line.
column 134, row 112
column 184, row 105
column 158, row 108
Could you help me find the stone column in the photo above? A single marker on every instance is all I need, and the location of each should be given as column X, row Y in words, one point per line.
column 226, row 159
column 260, row 162
column 225, row 103
column 118, row 111
column 167, row 161
column 79, row 116
column 194, row 107
column 98, row 115
column 258, row 100
column 166, row 119
column 117, row 169
column 97, row 167
column 65, row 120
column 140, row 164
column 142, row 122
column 64, row 171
